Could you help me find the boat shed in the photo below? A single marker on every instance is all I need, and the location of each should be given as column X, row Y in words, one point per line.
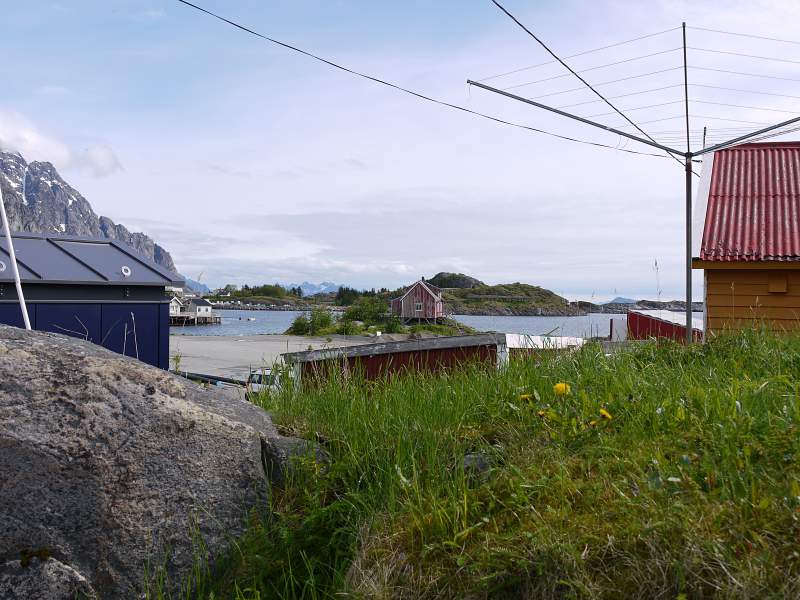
column 435, row 354
column 649, row 324
column 95, row 289
column 747, row 237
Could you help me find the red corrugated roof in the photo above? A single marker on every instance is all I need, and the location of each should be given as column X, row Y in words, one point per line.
column 753, row 210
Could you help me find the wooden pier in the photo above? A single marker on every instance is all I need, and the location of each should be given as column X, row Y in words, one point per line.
column 190, row 319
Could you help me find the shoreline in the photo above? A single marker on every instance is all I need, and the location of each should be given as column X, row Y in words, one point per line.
column 235, row 356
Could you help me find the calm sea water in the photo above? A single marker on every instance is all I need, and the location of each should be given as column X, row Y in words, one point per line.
column 235, row 322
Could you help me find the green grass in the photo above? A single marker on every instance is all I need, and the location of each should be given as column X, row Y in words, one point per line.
column 690, row 490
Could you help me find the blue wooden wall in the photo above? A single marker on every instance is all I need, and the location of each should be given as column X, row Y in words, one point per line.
column 139, row 330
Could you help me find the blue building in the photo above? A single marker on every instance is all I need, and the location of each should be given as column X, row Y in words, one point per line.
column 94, row 289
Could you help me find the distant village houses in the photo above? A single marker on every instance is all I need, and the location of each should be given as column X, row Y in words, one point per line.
column 421, row 302
column 192, row 311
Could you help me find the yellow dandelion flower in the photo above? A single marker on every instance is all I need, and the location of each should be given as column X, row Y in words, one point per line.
column 525, row 398
column 541, row 413
column 605, row 414
column 561, row 389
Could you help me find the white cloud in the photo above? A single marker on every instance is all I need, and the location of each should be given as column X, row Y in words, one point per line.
column 19, row 134
column 99, row 159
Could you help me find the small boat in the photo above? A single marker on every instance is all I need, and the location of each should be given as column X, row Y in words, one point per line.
column 251, row 318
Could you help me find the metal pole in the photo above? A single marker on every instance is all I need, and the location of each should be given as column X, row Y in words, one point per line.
column 13, row 256
column 689, row 331
column 489, row 88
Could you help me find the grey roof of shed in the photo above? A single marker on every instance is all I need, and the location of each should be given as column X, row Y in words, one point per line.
column 435, row 343
column 62, row 259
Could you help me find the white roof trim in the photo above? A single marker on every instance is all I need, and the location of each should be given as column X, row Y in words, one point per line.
column 427, row 287
column 701, row 204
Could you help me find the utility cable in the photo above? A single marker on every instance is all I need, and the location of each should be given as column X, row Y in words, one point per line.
column 405, row 90
column 581, row 79
column 585, row 52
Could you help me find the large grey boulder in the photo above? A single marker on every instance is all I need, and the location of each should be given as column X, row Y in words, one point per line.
column 43, row 579
column 109, row 466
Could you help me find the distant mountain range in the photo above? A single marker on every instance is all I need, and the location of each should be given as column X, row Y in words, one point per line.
column 312, row 289
column 51, row 205
column 196, row 286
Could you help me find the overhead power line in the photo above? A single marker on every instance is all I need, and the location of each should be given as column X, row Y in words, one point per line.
column 397, row 87
column 581, row 79
column 585, row 52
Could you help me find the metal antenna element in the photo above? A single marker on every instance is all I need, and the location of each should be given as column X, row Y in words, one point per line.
column 563, row 113
column 571, row 70
column 688, row 155
column 12, row 255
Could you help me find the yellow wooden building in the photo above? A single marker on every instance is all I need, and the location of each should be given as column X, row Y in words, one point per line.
column 747, row 237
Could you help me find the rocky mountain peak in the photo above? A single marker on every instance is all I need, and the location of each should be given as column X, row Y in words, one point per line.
column 38, row 200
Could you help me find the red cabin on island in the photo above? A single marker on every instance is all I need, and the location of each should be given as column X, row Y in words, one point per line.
column 421, row 302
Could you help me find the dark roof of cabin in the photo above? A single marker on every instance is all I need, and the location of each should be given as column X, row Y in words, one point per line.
column 200, row 302
column 62, row 259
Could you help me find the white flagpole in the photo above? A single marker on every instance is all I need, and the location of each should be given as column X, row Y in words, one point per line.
column 13, row 256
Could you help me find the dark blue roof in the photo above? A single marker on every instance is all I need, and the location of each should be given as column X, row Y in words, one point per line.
column 62, row 259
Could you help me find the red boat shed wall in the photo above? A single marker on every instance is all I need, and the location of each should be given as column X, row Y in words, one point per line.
column 385, row 359
column 645, row 327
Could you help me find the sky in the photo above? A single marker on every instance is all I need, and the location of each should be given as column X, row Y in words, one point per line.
column 251, row 163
